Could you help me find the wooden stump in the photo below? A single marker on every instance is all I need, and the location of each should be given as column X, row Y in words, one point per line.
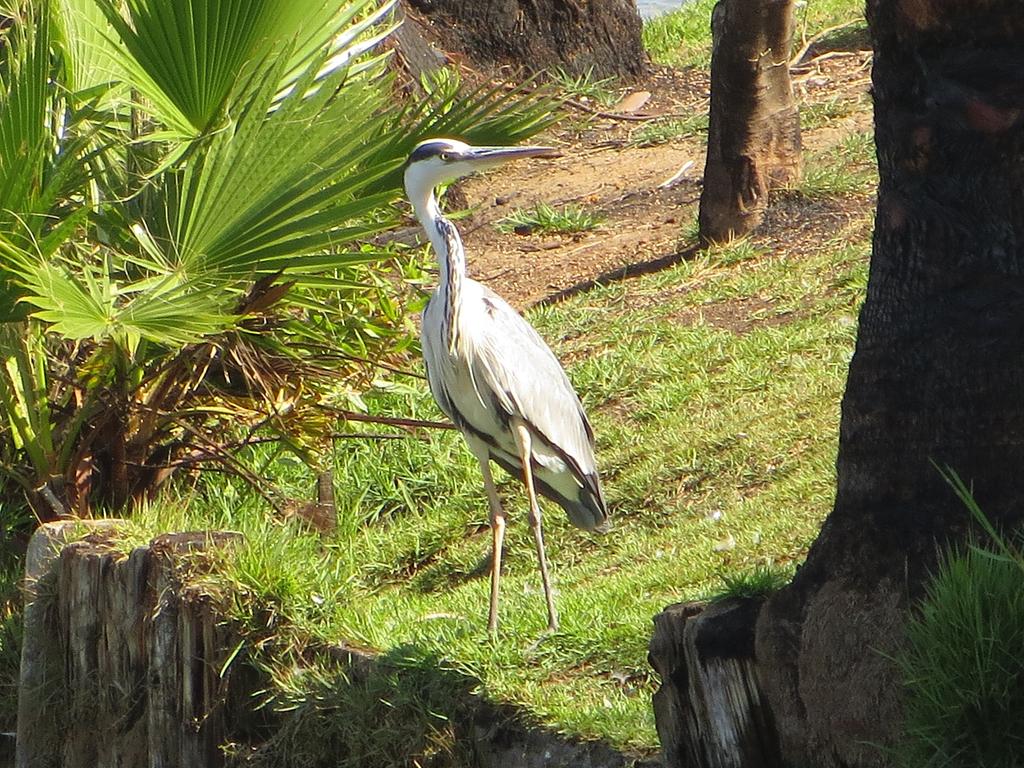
column 709, row 710
column 121, row 666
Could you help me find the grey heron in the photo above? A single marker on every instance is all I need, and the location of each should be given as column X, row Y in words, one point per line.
column 493, row 375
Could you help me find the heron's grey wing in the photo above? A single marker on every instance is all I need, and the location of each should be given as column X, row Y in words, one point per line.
column 522, row 373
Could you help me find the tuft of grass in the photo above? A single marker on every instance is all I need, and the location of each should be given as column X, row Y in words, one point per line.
column 818, row 114
column 666, row 131
column 847, row 169
column 963, row 673
column 418, row 705
column 759, row 581
column 735, row 251
column 544, row 218
column 962, row 668
column 585, row 87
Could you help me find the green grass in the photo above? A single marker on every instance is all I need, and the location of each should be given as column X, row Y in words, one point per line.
column 759, row 581
column 682, row 38
column 734, row 252
column 666, row 131
column 544, row 218
column 846, row 169
column 10, row 642
column 704, row 434
column 585, row 87
column 818, row 114
column 963, row 674
column 962, row 668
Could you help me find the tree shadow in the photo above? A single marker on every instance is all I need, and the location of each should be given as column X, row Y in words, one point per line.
column 406, row 706
column 619, row 274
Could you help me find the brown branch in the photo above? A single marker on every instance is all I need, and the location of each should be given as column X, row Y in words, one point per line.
column 391, row 421
column 818, row 38
column 218, row 453
column 385, row 366
column 597, row 112
column 638, row 117
column 368, row 436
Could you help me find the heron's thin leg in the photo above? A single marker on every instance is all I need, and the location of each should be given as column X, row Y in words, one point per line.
column 497, row 539
column 523, row 443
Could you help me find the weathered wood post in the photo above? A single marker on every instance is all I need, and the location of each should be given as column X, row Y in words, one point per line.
column 709, row 710
column 122, row 664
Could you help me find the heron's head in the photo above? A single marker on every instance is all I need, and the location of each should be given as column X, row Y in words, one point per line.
column 436, row 161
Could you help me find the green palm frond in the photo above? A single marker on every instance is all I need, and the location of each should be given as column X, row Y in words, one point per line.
column 26, row 122
column 187, row 57
column 280, row 190
column 497, row 113
column 92, row 55
column 83, row 300
column 348, row 32
column 39, row 163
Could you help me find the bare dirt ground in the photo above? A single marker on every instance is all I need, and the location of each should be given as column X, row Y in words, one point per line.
column 605, row 170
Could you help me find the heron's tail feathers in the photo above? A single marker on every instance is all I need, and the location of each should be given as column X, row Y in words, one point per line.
column 584, row 503
column 589, row 512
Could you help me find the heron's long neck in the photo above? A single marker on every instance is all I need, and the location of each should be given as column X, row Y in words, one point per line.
column 451, row 258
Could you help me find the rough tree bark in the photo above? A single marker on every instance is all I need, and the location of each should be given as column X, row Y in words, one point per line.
column 754, row 128
column 936, row 378
column 937, row 375
column 581, row 36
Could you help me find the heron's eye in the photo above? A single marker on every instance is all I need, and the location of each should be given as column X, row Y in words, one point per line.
column 446, row 156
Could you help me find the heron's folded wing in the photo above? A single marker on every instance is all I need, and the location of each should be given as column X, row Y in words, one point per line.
column 514, row 365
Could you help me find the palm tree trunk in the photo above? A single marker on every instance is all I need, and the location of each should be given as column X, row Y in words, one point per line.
column 599, row 38
column 936, row 380
column 754, row 130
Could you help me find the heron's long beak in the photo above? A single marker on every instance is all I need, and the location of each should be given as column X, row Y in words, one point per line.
column 495, row 155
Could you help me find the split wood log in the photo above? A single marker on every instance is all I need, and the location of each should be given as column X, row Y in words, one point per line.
column 709, row 710
column 121, row 666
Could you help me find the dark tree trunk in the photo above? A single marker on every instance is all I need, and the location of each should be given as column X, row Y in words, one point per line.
column 754, row 129
column 580, row 36
column 936, row 379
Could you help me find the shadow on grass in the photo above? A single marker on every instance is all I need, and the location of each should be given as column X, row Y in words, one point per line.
column 404, row 707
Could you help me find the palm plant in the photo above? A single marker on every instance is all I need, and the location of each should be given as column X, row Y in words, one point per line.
column 187, row 196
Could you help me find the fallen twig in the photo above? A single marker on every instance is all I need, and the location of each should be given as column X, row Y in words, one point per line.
column 671, row 182
column 637, row 117
column 824, row 57
column 817, row 38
